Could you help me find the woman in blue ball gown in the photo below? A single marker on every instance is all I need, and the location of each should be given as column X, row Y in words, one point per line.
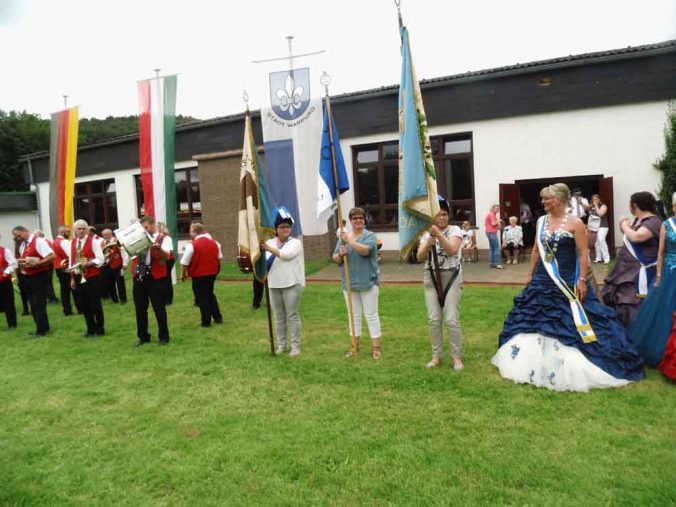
column 558, row 335
column 651, row 329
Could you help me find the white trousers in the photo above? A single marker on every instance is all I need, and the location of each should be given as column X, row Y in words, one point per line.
column 450, row 314
column 601, row 247
column 365, row 302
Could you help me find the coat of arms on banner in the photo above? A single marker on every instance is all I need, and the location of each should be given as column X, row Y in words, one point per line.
column 290, row 93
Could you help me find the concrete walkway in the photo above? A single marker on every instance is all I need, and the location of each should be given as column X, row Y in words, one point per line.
column 394, row 271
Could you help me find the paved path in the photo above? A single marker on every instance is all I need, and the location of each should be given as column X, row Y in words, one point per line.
column 394, row 271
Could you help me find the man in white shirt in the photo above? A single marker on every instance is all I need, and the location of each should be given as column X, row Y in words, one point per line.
column 86, row 259
column 579, row 205
column 8, row 266
column 35, row 259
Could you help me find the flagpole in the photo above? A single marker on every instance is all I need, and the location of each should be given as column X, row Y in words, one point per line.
column 326, row 80
column 271, row 337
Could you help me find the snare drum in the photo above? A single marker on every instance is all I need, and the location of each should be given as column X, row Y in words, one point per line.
column 134, row 238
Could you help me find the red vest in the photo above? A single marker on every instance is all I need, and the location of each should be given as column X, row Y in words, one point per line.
column 115, row 257
column 158, row 266
column 87, row 252
column 204, row 260
column 32, row 251
column 3, row 265
column 59, row 254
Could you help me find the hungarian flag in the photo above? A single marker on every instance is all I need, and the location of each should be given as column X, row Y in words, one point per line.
column 418, row 199
column 255, row 217
column 62, row 159
column 157, row 122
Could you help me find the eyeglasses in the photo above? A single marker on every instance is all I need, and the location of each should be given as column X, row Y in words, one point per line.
column 357, row 218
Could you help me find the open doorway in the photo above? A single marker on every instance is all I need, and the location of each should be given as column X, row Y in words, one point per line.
column 515, row 197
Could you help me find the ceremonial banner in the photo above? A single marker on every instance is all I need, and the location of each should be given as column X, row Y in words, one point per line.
column 62, row 160
column 326, row 186
column 255, row 213
column 292, row 126
column 418, row 199
column 157, row 122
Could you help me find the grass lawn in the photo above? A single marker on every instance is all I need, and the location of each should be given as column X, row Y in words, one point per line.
column 212, row 419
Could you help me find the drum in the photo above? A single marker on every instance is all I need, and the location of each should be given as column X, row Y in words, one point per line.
column 134, row 238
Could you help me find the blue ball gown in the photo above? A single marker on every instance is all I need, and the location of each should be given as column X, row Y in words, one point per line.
column 540, row 344
column 652, row 327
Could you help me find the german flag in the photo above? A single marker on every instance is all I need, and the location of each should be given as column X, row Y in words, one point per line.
column 62, row 158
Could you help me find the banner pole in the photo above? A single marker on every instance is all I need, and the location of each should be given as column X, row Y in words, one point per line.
column 355, row 345
column 267, row 303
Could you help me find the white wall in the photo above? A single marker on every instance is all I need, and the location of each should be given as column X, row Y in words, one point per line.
column 29, row 219
column 125, row 193
column 619, row 141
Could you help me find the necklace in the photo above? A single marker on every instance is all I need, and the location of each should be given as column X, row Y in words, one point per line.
column 555, row 236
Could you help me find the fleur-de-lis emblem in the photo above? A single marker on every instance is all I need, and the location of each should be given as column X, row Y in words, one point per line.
column 515, row 351
column 289, row 96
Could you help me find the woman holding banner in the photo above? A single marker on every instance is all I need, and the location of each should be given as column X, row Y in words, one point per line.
column 359, row 247
column 634, row 270
column 442, row 279
column 558, row 335
column 286, row 280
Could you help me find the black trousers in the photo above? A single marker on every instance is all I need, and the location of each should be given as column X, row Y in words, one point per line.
column 51, row 295
column 203, row 287
column 25, row 296
column 103, row 286
column 65, row 291
column 257, row 293
column 36, row 285
column 89, row 295
column 169, row 285
column 7, row 302
column 116, row 286
column 150, row 291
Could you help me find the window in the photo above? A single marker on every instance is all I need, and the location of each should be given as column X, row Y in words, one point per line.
column 188, row 203
column 96, row 202
column 376, row 177
column 453, row 160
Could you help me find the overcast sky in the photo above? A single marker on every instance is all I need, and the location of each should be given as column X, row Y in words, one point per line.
column 94, row 51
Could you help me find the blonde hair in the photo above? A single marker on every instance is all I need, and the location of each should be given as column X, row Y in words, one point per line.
column 673, row 198
column 558, row 191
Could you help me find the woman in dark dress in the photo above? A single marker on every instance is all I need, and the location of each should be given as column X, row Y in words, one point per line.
column 634, row 270
column 558, row 335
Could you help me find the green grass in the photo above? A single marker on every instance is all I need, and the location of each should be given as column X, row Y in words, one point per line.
column 231, row 271
column 213, row 419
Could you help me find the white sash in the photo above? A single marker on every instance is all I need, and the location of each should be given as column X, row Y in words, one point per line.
column 552, row 267
column 672, row 222
column 643, row 271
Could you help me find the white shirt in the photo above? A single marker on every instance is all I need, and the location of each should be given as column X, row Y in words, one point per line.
column 189, row 249
column 11, row 262
column 446, row 261
column 98, row 258
column 167, row 245
column 578, row 206
column 41, row 245
column 289, row 268
column 65, row 247
column 513, row 234
column 467, row 236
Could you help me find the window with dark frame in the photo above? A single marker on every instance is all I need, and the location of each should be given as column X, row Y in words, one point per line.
column 376, row 179
column 188, row 202
column 96, row 202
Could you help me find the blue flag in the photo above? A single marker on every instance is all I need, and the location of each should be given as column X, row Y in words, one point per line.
column 418, row 201
column 326, row 185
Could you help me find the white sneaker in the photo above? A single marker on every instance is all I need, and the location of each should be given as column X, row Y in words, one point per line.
column 294, row 352
column 433, row 363
column 499, row 266
column 281, row 349
column 457, row 365
column 515, row 261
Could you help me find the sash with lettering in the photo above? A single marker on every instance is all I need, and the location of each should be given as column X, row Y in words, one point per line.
column 646, row 275
column 552, row 267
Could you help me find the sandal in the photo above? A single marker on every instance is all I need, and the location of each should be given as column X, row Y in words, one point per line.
column 375, row 352
column 354, row 350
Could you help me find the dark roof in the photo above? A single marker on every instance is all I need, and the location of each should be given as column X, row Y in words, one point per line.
column 426, row 84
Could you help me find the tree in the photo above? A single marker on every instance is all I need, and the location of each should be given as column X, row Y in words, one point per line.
column 667, row 164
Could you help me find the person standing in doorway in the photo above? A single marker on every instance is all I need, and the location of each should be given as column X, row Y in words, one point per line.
column 598, row 222
column 579, row 206
column 492, row 224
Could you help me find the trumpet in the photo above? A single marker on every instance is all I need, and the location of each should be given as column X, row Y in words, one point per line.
column 81, row 265
column 108, row 245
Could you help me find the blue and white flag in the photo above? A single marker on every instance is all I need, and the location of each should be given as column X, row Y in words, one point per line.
column 291, row 137
column 326, row 185
column 418, row 202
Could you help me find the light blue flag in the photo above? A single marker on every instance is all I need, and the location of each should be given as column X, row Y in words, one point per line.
column 418, row 201
column 326, row 186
